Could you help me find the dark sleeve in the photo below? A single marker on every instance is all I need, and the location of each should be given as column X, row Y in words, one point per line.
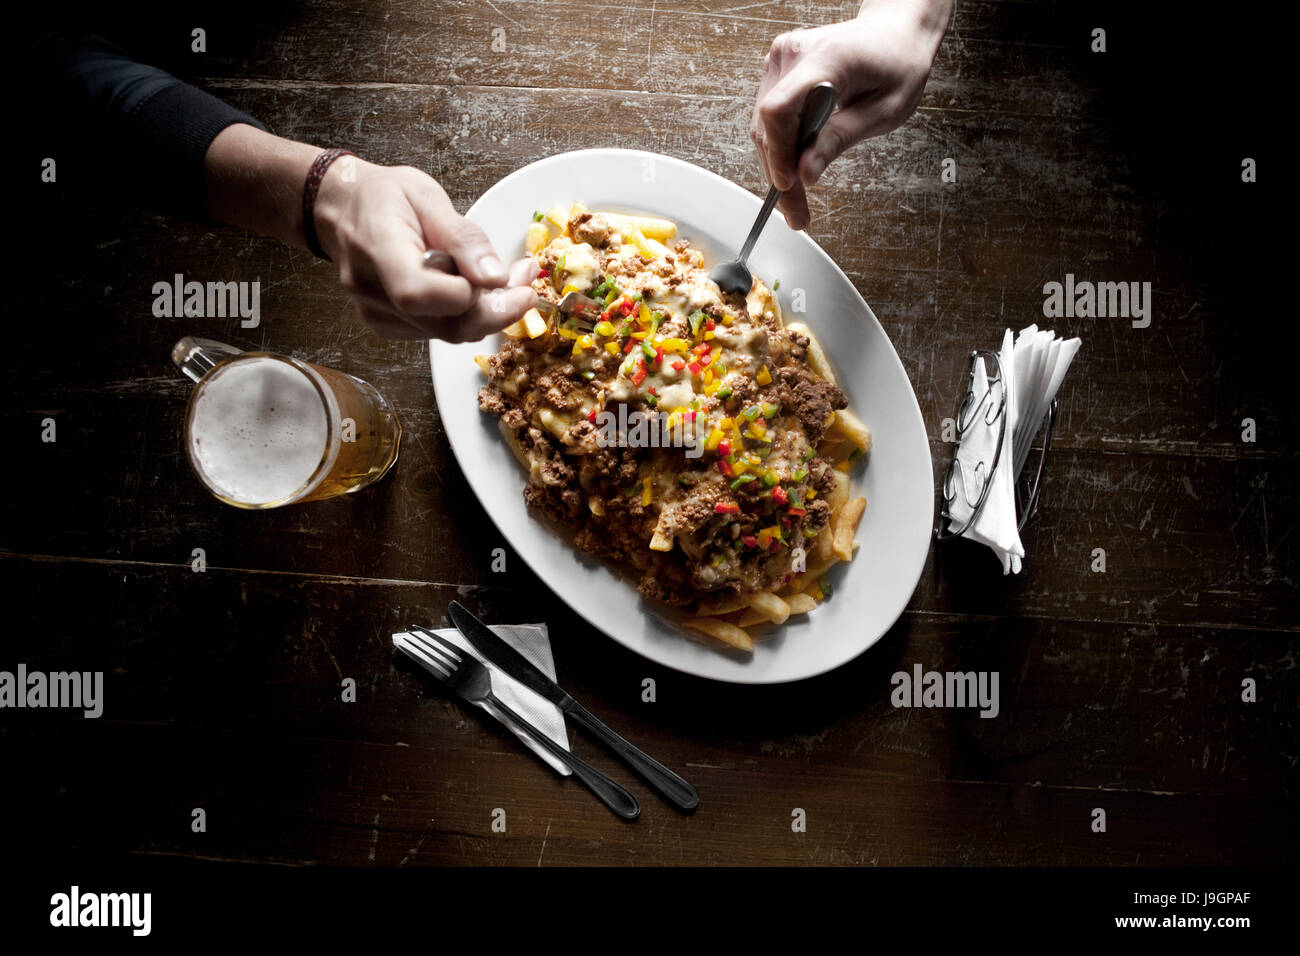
column 120, row 125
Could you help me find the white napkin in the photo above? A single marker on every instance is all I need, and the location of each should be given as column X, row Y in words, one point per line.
column 1034, row 364
column 533, row 642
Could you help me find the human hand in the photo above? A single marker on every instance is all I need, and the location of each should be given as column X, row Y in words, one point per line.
column 878, row 64
column 376, row 222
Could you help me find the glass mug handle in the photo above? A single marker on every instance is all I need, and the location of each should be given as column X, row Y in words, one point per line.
column 195, row 357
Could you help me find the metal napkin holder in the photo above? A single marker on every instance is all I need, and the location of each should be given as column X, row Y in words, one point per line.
column 992, row 405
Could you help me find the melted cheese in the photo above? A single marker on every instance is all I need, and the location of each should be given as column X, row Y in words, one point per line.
column 581, row 267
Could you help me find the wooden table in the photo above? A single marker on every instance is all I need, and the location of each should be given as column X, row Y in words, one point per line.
column 1120, row 690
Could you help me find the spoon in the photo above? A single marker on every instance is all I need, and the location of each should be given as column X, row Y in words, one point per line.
column 818, row 106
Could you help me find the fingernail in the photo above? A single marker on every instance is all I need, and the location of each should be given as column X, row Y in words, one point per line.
column 492, row 267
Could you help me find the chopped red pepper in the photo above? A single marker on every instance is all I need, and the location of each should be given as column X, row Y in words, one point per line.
column 543, row 273
column 631, row 344
column 727, row 508
column 604, row 316
column 659, row 356
column 726, row 469
column 651, row 390
column 749, row 541
column 710, row 324
column 797, row 511
column 774, row 546
column 779, row 495
column 639, row 375
column 724, row 448
column 696, row 368
column 703, row 349
column 626, row 307
column 679, row 365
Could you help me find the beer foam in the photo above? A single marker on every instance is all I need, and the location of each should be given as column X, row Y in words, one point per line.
column 259, row 430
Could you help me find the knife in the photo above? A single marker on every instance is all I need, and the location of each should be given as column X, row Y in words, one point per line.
column 672, row 787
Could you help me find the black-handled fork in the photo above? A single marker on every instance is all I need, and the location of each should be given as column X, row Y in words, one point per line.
column 469, row 679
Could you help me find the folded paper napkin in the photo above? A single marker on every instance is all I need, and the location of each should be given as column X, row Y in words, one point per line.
column 532, row 641
column 1033, row 365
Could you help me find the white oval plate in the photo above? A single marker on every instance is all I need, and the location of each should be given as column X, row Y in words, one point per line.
column 870, row 592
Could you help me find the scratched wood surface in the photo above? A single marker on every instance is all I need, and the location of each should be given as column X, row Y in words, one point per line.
column 1119, row 690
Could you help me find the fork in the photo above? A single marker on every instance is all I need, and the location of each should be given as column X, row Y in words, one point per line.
column 818, row 105
column 472, row 681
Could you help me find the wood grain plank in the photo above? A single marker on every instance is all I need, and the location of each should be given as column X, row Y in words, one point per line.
column 225, row 692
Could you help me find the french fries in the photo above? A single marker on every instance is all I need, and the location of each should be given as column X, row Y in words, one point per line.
column 727, row 619
column 647, row 226
column 724, row 631
column 851, row 427
column 536, row 237
column 532, row 324
column 817, row 360
column 846, row 523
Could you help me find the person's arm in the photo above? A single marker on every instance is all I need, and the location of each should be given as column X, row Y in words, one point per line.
column 375, row 223
column 143, row 133
column 878, row 64
column 125, row 128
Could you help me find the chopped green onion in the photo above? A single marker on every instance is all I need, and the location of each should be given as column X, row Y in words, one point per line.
column 825, row 585
column 685, row 480
column 648, row 349
column 752, row 412
column 559, row 263
column 724, row 392
column 652, row 400
column 696, row 319
column 769, row 479
column 776, row 285
column 537, row 216
column 589, row 375
column 770, row 410
column 801, row 474
column 741, row 480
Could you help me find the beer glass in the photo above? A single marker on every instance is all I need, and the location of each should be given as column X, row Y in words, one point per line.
column 264, row 430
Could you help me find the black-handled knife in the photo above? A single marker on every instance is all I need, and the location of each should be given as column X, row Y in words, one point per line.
column 671, row 786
